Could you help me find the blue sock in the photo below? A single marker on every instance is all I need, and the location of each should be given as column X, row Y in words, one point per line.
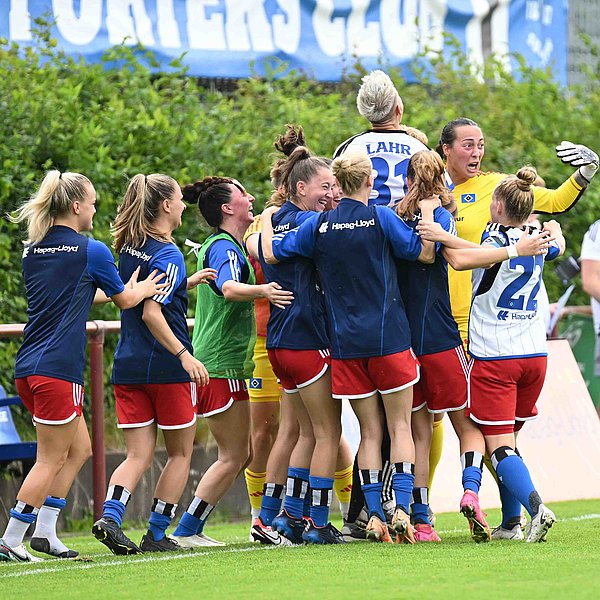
column 187, row 526
column 511, row 507
column 160, row 518
column 193, row 519
column 115, row 504
column 321, row 493
column 420, row 506
column 24, row 512
column 271, row 502
column 54, row 502
column 514, row 474
column 297, row 486
column 371, row 485
column 472, row 464
column 403, row 481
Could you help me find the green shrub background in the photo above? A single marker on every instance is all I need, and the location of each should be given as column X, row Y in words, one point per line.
column 118, row 118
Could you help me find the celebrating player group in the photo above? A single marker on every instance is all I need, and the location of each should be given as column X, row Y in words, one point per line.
column 400, row 278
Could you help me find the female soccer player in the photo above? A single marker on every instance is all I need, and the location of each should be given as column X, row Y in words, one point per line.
column 437, row 344
column 62, row 270
column 462, row 146
column 352, row 247
column 223, row 339
column 154, row 372
column 298, row 346
column 507, row 340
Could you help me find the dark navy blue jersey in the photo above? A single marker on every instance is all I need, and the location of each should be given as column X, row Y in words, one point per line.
column 62, row 274
column 424, row 289
column 139, row 357
column 353, row 248
column 303, row 324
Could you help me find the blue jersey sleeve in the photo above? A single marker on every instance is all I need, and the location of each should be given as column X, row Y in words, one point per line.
column 553, row 251
column 297, row 242
column 228, row 260
column 169, row 260
column 102, row 269
column 495, row 239
column 446, row 220
column 405, row 242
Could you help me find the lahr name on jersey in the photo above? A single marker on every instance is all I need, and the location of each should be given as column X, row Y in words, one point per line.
column 390, row 147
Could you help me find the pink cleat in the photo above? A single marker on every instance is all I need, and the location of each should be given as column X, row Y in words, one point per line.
column 469, row 507
column 426, row 533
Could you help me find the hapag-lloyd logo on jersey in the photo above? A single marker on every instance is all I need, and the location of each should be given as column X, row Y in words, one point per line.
column 354, row 224
column 55, row 249
column 137, row 253
column 281, row 228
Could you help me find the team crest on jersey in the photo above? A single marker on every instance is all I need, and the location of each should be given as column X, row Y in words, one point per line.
column 467, row 198
column 255, row 383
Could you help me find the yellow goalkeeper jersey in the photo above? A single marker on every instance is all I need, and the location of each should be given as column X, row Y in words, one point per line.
column 473, row 199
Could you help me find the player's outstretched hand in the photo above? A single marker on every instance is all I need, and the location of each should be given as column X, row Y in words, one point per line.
column 580, row 156
column 151, row 286
column 531, row 245
column 201, row 276
column 431, row 231
column 194, row 368
column 277, row 296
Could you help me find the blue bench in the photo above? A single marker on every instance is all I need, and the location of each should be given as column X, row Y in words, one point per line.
column 11, row 446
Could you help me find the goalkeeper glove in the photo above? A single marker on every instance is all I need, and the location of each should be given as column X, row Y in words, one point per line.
column 578, row 156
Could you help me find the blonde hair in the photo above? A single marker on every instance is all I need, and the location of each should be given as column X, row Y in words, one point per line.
column 377, row 97
column 55, row 196
column 351, row 169
column 417, row 134
column 426, row 173
column 516, row 193
column 140, row 209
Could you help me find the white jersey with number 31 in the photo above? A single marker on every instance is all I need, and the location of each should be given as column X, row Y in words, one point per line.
column 504, row 320
column 389, row 151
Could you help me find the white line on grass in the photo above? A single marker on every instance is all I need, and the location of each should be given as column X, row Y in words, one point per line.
column 68, row 565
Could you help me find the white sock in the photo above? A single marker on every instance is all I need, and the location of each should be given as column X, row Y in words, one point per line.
column 344, row 508
column 255, row 513
column 15, row 532
column 45, row 527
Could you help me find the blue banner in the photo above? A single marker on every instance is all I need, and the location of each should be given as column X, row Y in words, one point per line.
column 223, row 38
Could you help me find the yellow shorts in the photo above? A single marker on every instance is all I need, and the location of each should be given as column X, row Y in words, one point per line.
column 263, row 387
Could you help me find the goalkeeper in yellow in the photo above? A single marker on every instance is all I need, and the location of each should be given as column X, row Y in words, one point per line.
column 462, row 146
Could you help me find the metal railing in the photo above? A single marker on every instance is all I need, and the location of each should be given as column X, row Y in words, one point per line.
column 96, row 333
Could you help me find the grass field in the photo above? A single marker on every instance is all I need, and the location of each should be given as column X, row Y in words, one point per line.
column 567, row 566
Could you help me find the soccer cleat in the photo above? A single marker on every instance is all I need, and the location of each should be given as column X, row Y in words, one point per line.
column 500, row 533
column 199, row 540
column 43, row 545
column 353, row 532
column 402, row 528
column 377, row 531
column 167, row 544
column 289, row 527
column 426, row 533
column 469, row 507
column 17, row 554
column 265, row 534
column 538, row 527
column 431, row 516
column 327, row 534
column 108, row 532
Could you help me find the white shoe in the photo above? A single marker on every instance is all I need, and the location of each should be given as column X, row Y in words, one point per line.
column 538, row 527
column 17, row 554
column 500, row 533
column 196, row 541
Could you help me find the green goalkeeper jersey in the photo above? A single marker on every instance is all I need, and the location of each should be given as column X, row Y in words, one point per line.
column 224, row 331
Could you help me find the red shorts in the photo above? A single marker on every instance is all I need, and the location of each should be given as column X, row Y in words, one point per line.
column 503, row 393
column 443, row 386
column 298, row 368
column 51, row 401
column 219, row 395
column 170, row 405
column 361, row 377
